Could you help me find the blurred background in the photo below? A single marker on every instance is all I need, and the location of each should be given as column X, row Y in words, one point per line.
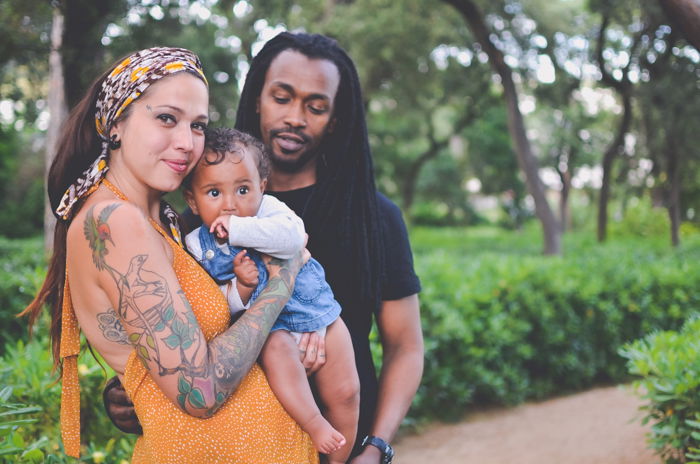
column 544, row 153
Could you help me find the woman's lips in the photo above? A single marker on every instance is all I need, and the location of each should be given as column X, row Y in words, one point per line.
column 178, row 166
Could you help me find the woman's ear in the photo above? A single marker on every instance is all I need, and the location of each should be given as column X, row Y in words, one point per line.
column 331, row 125
column 257, row 105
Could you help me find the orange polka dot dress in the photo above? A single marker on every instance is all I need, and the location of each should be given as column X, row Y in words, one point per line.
column 251, row 427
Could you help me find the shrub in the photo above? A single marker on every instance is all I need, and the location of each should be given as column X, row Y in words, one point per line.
column 504, row 326
column 22, row 270
column 27, row 371
column 668, row 364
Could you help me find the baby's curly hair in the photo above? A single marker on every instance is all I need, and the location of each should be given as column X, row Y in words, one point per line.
column 224, row 141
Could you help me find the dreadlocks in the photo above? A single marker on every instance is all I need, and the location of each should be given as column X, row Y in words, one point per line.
column 343, row 206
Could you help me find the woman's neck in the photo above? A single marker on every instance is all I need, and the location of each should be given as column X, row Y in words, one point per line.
column 137, row 193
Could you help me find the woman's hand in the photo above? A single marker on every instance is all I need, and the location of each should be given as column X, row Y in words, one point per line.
column 287, row 269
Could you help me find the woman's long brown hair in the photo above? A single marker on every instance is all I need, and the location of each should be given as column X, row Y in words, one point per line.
column 79, row 146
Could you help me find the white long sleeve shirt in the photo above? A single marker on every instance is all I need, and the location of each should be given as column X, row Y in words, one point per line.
column 275, row 230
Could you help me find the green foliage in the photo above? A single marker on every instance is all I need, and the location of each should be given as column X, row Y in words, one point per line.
column 27, row 370
column 21, row 184
column 22, row 269
column 503, row 324
column 668, row 364
column 12, row 441
column 642, row 220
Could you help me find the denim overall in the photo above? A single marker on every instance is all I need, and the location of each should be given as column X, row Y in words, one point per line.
column 311, row 306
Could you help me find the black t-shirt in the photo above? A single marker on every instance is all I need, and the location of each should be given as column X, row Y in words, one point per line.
column 399, row 280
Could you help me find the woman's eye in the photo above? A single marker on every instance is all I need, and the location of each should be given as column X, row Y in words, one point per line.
column 213, row 193
column 242, row 190
column 281, row 100
column 199, row 126
column 167, row 118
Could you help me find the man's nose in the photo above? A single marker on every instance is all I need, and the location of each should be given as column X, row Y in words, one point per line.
column 296, row 116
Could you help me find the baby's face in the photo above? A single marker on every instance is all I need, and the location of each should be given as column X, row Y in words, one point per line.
column 232, row 187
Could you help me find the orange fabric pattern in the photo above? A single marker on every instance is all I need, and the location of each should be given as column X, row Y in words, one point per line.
column 251, row 427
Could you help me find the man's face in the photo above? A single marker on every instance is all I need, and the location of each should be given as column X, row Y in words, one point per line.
column 296, row 108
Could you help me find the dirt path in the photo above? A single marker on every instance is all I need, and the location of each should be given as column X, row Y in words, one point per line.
column 600, row 426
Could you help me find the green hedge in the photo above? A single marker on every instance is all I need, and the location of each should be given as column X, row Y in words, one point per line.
column 502, row 323
column 668, row 364
column 22, row 268
column 508, row 325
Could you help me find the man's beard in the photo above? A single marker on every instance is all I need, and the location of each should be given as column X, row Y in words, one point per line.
column 291, row 166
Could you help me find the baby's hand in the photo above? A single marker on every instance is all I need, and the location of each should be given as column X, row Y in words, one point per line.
column 219, row 227
column 245, row 269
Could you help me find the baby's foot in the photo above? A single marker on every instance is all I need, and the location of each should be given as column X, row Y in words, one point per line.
column 325, row 438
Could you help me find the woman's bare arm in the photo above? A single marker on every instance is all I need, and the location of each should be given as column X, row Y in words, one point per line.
column 135, row 272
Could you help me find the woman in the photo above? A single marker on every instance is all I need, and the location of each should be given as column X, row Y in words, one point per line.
column 153, row 314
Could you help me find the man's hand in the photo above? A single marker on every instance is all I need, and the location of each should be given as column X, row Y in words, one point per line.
column 119, row 407
column 220, row 227
column 245, row 269
column 312, row 351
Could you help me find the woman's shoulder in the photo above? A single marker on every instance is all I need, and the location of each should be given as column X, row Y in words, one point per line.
column 102, row 218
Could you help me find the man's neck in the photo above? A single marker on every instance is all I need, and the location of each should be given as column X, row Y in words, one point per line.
column 280, row 181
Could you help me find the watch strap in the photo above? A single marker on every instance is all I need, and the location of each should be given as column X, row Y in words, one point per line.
column 383, row 446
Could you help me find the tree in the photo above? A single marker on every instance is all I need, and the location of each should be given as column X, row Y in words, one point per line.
column 526, row 159
column 685, row 16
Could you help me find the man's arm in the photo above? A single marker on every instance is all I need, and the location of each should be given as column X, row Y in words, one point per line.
column 402, row 369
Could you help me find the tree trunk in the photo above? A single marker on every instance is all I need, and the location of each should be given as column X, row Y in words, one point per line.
column 57, row 112
column 516, row 125
column 685, row 16
column 615, row 148
column 673, row 200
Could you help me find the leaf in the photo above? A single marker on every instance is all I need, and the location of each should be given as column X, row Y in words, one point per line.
column 5, row 394
column 197, row 398
column 18, row 440
column 150, row 342
column 143, row 353
column 181, row 400
column 134, row 338
column 172, row 340
column 183, row 386
column 169, row 313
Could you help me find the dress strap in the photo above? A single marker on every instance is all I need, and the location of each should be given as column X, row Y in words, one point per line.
column 70, row 387
column 165, row 209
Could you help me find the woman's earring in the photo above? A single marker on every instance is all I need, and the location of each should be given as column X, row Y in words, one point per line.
column 114, row 143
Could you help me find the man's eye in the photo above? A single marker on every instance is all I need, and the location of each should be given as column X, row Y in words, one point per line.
column 242, row 190
column 213, row 193
column 317, row 109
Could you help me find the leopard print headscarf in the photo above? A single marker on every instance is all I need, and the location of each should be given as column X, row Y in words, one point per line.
column 126, row 83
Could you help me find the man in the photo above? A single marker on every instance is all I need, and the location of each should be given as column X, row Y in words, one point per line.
column 302, row 98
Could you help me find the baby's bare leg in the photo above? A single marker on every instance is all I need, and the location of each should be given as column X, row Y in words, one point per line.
column 287, row 378
column 339, row 387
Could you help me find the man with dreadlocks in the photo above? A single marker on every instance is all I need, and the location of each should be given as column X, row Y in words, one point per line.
column 302, row 97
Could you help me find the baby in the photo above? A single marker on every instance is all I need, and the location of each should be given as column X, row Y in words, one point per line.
column 239, row 222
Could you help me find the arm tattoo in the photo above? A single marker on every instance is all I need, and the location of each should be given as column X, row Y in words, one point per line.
column 148, row 307
column 111, row 327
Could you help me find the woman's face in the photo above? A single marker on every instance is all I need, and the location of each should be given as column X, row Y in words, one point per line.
column 162, row 138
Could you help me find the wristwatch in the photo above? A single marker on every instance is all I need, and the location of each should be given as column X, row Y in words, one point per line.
column 384, row 447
